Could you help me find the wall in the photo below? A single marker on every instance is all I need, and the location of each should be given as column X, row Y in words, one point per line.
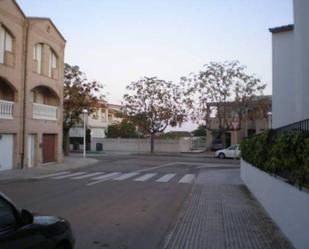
column 143, row 145
column 284, row 107
column 286, row 205
column 291, row 70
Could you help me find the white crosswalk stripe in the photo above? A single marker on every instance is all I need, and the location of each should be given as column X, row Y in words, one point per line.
column 69, row 175
column 97, row 177
column 125, row 176
column 145, row 177
column 188, row 178
column 106, row 176
column 51, row 175
column 166, row 178
column 87, row 175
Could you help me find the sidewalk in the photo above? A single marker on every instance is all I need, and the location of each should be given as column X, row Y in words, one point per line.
column 71, row 162
column 222, row 214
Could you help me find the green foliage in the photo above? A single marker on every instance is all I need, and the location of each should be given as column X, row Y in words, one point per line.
column 285, row 154
column 125, row 129
column 200, row 131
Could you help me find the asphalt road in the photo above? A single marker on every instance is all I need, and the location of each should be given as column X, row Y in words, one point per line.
column 117, row 214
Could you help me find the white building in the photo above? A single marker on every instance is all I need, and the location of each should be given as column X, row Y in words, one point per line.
column 291, row 68
column 97, row 123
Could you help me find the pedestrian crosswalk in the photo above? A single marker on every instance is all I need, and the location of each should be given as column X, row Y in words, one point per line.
column 98, row 177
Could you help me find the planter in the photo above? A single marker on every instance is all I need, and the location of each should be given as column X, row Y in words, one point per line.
column 285, row 204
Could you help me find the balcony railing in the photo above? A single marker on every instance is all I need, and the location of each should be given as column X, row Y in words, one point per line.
column 45, row 112
column 6, row 109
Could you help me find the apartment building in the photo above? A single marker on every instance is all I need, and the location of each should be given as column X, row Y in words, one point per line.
column 253, row 122
column 97, row 125
column 31, row 89
column 290, row 48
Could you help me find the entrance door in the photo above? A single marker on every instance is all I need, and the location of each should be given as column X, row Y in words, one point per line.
column 31, row 150
column 6, row 151
column 48, row 147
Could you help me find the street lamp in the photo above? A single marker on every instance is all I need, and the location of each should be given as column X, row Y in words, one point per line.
column 269, row 114
column 85, row 112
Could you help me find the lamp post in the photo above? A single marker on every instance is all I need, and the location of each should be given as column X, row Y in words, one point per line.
column 85, row 112
column 269, row 114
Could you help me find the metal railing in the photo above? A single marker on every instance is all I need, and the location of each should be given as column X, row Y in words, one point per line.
column 302, row 126
column 45, row 112
column 6, row 109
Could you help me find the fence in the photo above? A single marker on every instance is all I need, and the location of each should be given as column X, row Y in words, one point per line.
column 302, row 126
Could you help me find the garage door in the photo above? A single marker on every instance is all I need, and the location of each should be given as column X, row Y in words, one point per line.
column 49, row 145
column 6, row 151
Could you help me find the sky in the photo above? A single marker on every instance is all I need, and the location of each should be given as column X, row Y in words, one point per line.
column 120, row 41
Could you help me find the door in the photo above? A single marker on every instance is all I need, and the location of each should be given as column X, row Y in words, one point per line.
column 31, row 150
column 6, row 151
column 48, row 147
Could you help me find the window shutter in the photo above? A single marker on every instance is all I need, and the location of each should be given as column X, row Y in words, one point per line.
column 2, row 39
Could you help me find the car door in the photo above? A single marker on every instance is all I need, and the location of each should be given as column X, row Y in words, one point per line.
column 231, row 151
column 14, row 235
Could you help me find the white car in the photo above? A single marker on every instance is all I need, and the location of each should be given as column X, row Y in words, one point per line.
column 231, row 152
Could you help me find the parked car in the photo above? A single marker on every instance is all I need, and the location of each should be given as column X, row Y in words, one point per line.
column 216, row 145
column 20, row 229
column 231, row 152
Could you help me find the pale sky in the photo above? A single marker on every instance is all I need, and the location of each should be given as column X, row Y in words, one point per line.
column 119, row 41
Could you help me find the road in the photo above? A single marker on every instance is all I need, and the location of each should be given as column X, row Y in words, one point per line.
column 135, row 207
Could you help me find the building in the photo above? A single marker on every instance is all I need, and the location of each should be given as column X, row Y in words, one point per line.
column 97, row 124
column 291, row 68
column 253, row 122
column 31, row 89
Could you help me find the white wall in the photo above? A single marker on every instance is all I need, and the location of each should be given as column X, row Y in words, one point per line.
column 143, row 145
column 291, row 69
column 301, row 30
column 284, row 99
column 285, row 204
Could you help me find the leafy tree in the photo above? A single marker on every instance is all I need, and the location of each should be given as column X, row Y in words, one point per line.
column 125, row 129
column 152, row 104
column 200, row 131
column 221, row 90
column 79, row 94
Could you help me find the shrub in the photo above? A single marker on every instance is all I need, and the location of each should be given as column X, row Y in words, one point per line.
column 285, row 154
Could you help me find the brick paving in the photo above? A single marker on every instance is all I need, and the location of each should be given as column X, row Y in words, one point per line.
column 222, row 214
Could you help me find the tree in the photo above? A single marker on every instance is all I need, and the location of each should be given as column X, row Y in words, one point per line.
column 125, row 129
column 153, row 104
column 221, row 90
column 79, row 94
column 200, row 131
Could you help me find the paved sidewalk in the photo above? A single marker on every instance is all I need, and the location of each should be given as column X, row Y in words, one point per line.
column 70, row 163
column 222, row 214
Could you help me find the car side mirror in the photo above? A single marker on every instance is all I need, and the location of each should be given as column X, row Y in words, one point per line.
column 27, row 217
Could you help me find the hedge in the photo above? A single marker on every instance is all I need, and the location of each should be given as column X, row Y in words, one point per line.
column 280, row 154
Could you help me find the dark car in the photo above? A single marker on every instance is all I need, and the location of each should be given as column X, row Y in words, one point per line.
column 23, row 230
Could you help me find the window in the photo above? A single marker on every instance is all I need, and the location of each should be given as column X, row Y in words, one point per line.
column 52, row 62
column 37, row 56
column 6, row 43
column 7, row 217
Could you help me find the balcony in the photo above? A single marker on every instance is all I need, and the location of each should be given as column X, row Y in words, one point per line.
column 44, row 112
column 6, row 109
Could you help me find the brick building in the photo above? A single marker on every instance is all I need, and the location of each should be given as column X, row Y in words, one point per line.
column 31, row 89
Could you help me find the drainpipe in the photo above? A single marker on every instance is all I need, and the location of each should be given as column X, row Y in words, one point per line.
column 24, row 109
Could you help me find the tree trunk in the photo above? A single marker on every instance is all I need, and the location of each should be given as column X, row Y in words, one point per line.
column 152, row 137
column 66, row 142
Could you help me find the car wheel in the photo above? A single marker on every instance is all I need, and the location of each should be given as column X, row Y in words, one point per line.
column 221, row 156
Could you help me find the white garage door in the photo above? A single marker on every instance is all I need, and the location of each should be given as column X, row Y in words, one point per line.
column 6, row 151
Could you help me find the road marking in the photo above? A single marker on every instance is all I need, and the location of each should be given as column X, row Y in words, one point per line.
column 125, row 176
column 145, row 177
column 87, row 176
column 165, row 178
column 103, row 178
column 188, row 178
column 69, row 175
column 50, row 175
